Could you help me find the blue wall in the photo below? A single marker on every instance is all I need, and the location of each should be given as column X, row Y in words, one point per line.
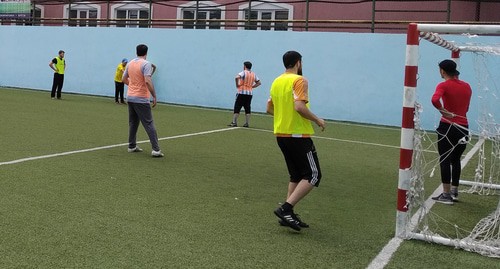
column 352, row 77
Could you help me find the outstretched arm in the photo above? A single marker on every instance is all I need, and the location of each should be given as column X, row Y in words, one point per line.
column 125, row 78
column 153, row 66
column 51, row 65
column 236, row 81
column 445, row 113
column 257, row 84
column 436, row 102
column 151, row 88
column 301, row 108
column 270, row 107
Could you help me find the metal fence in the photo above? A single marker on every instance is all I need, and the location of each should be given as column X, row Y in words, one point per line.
column 306, row 23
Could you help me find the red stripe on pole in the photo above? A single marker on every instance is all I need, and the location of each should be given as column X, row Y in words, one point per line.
column 405, row 156
column 408, row 114
column 455, row 54
column 402, row 200
column 412, row 37
column 411, row 76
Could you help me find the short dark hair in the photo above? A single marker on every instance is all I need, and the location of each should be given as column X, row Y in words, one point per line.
column 61, row 51
column 141, row 50
column 290, row 58
column 248, row 65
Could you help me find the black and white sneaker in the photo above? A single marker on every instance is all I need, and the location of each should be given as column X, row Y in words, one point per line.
column 301, row 223
column 454, row 196
column 444, row 199
column 288, row 218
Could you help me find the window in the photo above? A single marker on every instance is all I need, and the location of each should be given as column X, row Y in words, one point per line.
column 205, row 19
column 129, row 18
column 83, row 18
column 206, row 16
column 82, row 15
column 252, row 24
column 131, row 15
column 36, row 15
column 281, row 15
column 266, row 15
column 262, row 15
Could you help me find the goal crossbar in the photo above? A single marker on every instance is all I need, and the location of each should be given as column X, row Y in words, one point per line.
column 460, row 29
column 436, row 39
column 430, row 32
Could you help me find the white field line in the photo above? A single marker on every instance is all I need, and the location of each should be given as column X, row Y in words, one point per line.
column 357, row 142
column 108, row 147
column 386, row 253
column 262, row 114
column 347, row 141
column 174, row 137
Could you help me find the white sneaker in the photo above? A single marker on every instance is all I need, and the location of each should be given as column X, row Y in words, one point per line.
column 157, row 153
column 136, row 149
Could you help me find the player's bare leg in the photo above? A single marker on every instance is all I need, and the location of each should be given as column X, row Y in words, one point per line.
column 300, row 191
column 291, row 188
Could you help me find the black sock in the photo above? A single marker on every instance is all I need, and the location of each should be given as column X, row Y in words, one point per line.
column 287, row 207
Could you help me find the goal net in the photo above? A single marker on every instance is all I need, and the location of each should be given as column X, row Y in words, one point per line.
column 473, row 224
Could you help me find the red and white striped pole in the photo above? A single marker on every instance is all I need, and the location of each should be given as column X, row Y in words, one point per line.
column 407, row 128
column 455, row 56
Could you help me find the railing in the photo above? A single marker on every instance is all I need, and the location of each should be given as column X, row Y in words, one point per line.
column 380, row 11
column 392, row 26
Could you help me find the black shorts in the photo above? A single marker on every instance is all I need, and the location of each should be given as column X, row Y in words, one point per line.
column 301, row 159
column 245, row 101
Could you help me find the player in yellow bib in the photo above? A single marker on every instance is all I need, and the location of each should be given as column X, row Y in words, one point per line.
column 58, row 64
column 119, row 85
column 289, row 104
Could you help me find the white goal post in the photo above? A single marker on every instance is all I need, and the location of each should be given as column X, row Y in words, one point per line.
column 431, row 33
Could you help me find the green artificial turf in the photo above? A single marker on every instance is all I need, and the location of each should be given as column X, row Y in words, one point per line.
column 207, row 204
